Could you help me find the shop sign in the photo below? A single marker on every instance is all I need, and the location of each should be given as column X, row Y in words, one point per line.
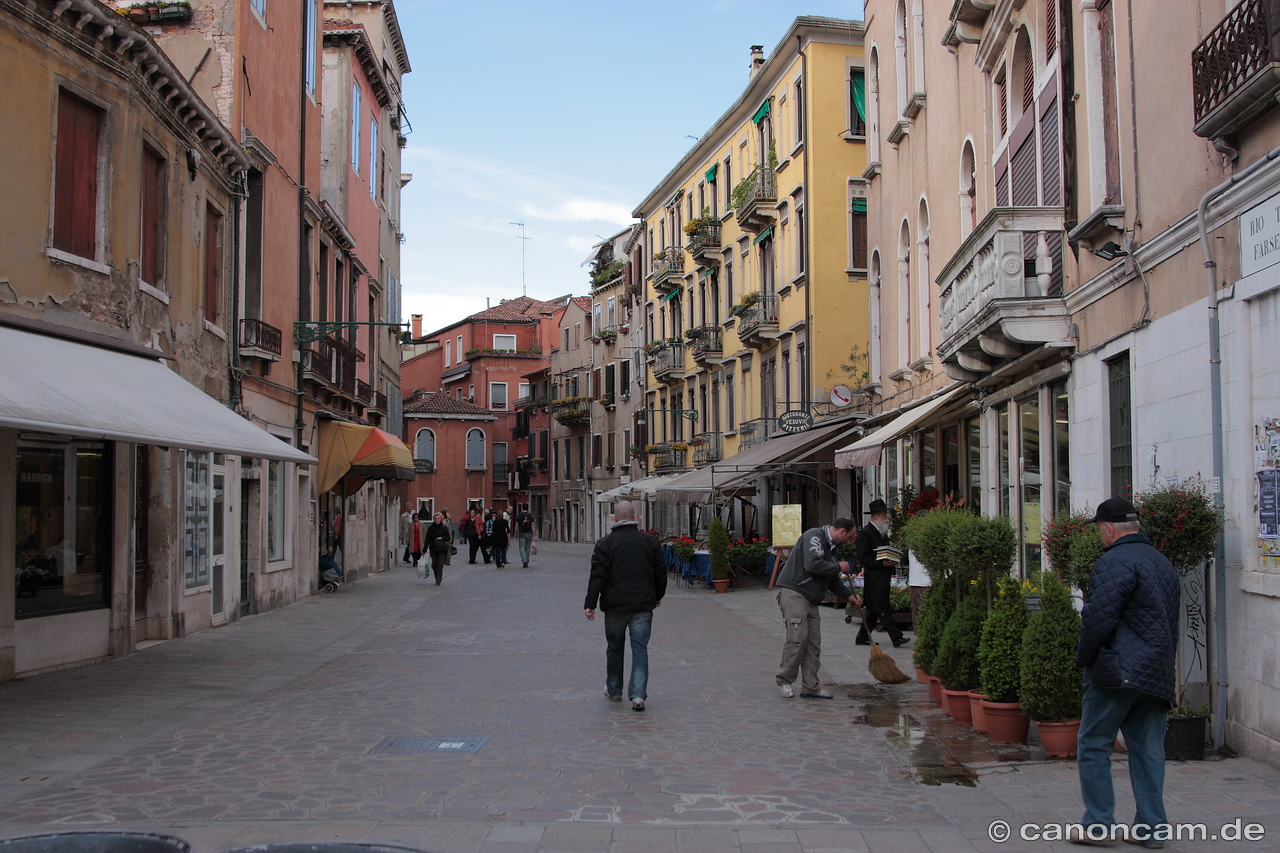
column 1260, row 237
column 795, row 420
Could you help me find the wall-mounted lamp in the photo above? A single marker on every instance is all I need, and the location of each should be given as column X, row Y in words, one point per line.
column 1110, row 250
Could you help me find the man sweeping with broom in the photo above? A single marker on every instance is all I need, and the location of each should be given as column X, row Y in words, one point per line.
column 810, row 573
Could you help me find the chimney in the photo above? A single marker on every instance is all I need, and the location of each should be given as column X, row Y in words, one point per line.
column 757, row 59
column 417, row 326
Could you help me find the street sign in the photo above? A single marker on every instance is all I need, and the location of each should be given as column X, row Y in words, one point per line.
column 795, row 420
column 841, row 396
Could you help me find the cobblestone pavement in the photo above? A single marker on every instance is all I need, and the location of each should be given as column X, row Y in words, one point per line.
column 277, row 728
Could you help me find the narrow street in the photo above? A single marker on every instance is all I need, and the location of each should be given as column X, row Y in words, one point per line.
column 277, row 728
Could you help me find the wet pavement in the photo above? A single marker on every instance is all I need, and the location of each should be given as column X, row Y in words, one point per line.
column 469, row 717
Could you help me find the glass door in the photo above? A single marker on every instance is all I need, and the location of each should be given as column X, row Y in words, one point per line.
column 1029, row 482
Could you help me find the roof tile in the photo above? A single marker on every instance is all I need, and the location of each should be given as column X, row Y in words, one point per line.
column 439, row 403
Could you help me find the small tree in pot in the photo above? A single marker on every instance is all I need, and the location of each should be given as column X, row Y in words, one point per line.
column 1000, row 664
column 1051, row 691
column 956, row 662
column 1072, row 545
column 718, row 545
column 936, row 611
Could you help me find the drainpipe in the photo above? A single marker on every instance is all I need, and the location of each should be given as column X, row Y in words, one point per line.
column 1215, row 415
column 808, row 226
column 237, row 195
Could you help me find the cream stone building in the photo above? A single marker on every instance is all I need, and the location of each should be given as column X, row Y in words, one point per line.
column 1049, row 182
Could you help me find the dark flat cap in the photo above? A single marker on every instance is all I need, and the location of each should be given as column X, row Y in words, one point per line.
column 1116, row 510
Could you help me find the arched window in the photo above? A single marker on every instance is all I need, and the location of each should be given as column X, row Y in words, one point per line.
column 925, row 331
column 1024, row 76
column 904, row 295
column 968, row 190
column 424, row 447
column 475, row 450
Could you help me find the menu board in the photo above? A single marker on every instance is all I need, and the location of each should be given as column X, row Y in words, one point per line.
column 786, row 524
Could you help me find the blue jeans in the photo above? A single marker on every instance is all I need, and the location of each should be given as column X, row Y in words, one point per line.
column 1141, row 717
column 526, row 542
column 616, row 626
column 499, row 552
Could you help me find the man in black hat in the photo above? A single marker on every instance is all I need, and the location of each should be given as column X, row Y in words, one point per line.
column 1128, row 642
column 877, row 576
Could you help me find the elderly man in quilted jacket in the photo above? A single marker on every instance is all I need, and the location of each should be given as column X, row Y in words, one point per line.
column 1128, row 639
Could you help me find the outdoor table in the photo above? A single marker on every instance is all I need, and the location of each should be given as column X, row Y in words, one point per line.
column 698, row 568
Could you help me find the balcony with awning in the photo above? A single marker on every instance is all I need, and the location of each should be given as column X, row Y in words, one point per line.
column 1002, row 291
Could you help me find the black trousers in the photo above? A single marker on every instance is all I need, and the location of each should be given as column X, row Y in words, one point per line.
column 875, row 599
column 474, row 541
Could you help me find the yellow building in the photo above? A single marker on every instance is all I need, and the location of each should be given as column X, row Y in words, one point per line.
column 756, row 295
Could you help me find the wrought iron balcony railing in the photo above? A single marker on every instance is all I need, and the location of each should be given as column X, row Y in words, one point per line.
column 707, row 447
column 759, row 199
column 671, row 454
column 668, row 360
column 1235, row 70
column 758, row 318
column 501, row 470
column 364, row 391
column 705, row 241
column 707, row 343
column 257, row 335
column 668, row 268
column 757, row 431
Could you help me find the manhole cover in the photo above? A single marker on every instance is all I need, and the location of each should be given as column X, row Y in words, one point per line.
column 410, row 745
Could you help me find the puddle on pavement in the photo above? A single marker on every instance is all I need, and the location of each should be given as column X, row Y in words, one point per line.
column 929, row 760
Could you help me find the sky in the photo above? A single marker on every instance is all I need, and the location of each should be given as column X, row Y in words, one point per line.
column 560, row 115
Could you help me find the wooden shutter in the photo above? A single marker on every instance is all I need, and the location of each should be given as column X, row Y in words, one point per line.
column 1024, row 174
column 212, row 263
column 858, row 225
column 1110, row 119
column 613, row 450
column 1050, row 28
column 152, row 205
column 75, row 208
column 1028, row 81
column 1051, row 184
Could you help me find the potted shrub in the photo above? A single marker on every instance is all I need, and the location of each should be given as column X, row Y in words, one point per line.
column 684, row 548
column 1072, row 545
column 980, row 550
column 1000, row 664
column 1184, row 736
column 718, row 545
column 935, row 612
column 1182, row 523
column 1051, row 691
column 956, row 662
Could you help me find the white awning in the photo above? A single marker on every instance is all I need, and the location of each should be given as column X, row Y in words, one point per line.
column 637, row 490
column 866, row 450
column 50, row 384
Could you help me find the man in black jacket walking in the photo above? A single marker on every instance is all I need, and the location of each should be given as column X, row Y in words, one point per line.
column 628, row 580
column 1127, row 649
column 877, row 576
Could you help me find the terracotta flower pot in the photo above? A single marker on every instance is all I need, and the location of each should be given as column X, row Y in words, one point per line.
column 1005, row 722
column 935, row 689
column 977, row 712
column 944, row 700
column 721, row 584
column 922, row 676
column 1059, row 739
column 959, row 702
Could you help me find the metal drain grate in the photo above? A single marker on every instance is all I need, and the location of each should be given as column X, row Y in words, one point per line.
column 411, row 745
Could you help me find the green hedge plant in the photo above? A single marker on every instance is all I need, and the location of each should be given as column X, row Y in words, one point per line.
column 718, row 545
column 928, row 535
column 1000, row 648
column 981, row 549
column 1051, row 689
column 956, row 662
column 935, row 612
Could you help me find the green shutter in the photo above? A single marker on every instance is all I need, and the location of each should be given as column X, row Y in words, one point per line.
column 858, row 88
column 711, row 173
column 761, row 113
column 859, row 205
column 764, row 235
column 672, row 295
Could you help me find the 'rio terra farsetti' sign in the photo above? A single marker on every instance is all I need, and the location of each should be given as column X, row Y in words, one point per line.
column 1260, row 237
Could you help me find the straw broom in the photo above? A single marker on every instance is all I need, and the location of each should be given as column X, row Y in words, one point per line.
column 881, row 665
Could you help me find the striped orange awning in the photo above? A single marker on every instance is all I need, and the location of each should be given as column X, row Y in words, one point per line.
column 357, row 453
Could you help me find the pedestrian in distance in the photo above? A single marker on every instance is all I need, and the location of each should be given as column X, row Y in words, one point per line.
column 499, row 539
column 1127, row 649
column 439, row 539
column 406, row 534
column 628, row 581
column 877, row 576
column 474, row 532
column 524, row 524
column 810, row 573
column 448, row 522
column 420, row 524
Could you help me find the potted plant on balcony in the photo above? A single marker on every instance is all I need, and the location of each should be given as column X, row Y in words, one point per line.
column 718, row 545
column 1000, row 664
column 1051, row 691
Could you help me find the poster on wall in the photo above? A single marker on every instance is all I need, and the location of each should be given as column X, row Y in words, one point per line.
column 786, row 524
column 1269, row 503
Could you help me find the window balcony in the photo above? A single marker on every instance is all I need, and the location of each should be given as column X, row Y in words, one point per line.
column 668, row 363
column 756, row 199
column 364, row 392
column 704, row 244
column 758, row 431
column 573, row 411
column 707, row 447
column 259, row 340
column 758, row 321
column 706, row 343
column 380, row 401
column 670, row 455
column 1235, row 70
column 668, row 270
column 333, row 364
column 1003, row 290
column 501, row 471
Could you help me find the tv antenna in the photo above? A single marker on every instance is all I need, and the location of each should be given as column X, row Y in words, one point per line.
column 523, row 240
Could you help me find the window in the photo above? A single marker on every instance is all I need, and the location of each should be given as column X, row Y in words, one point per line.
column 355, row 126
column 458, row 349
column 153, row 217
column 728, row 183
column 626, row 446
column 730, row 415
column 799, row 108
column 613, row 311
column 582, row 457
column 504, row 343
column 728, row 287
column 277, row 519
column 1002, row 104
column 75, row 204
column 63, row 537
column 212, row 264
column 597, row 449
column 542, row 449
column 448, row 353
column 577, row 335
column 555, row 459
column 310, row 71
column 259, row 6
column 497, row 395
column 873, row 106
column 1121, row 408
column 475, row 450
column 900, row 53
column 253, row 245
column 424, row 446
column 522, row 391
column 471, row 393
column 858, row 234
column 500, row 467
column 1110, row 127
column 373, row 158
column 568, row 459
column 197, row 497
column 565, row 334
column 857, row 102
column 624, row 379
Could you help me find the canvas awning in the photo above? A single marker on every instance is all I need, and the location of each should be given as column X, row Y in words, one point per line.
column 51, row 384
column 358, row 453
column 637, row 490
column 866, row 450
column 736, row 472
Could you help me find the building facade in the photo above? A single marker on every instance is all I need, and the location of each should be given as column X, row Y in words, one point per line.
column 572, row 401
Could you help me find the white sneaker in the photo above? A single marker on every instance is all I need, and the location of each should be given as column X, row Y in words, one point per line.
column 786, row 691
column 637, row 704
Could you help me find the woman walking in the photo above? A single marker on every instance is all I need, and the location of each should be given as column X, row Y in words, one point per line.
column 448, row 522
column 498, row 540
column 419, row 539
column 439, row 538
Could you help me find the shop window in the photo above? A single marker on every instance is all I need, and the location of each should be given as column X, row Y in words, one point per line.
column 1061, row 448
column 197, row 513
column 277, row 519
column 62, row 558
column 973, row 446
